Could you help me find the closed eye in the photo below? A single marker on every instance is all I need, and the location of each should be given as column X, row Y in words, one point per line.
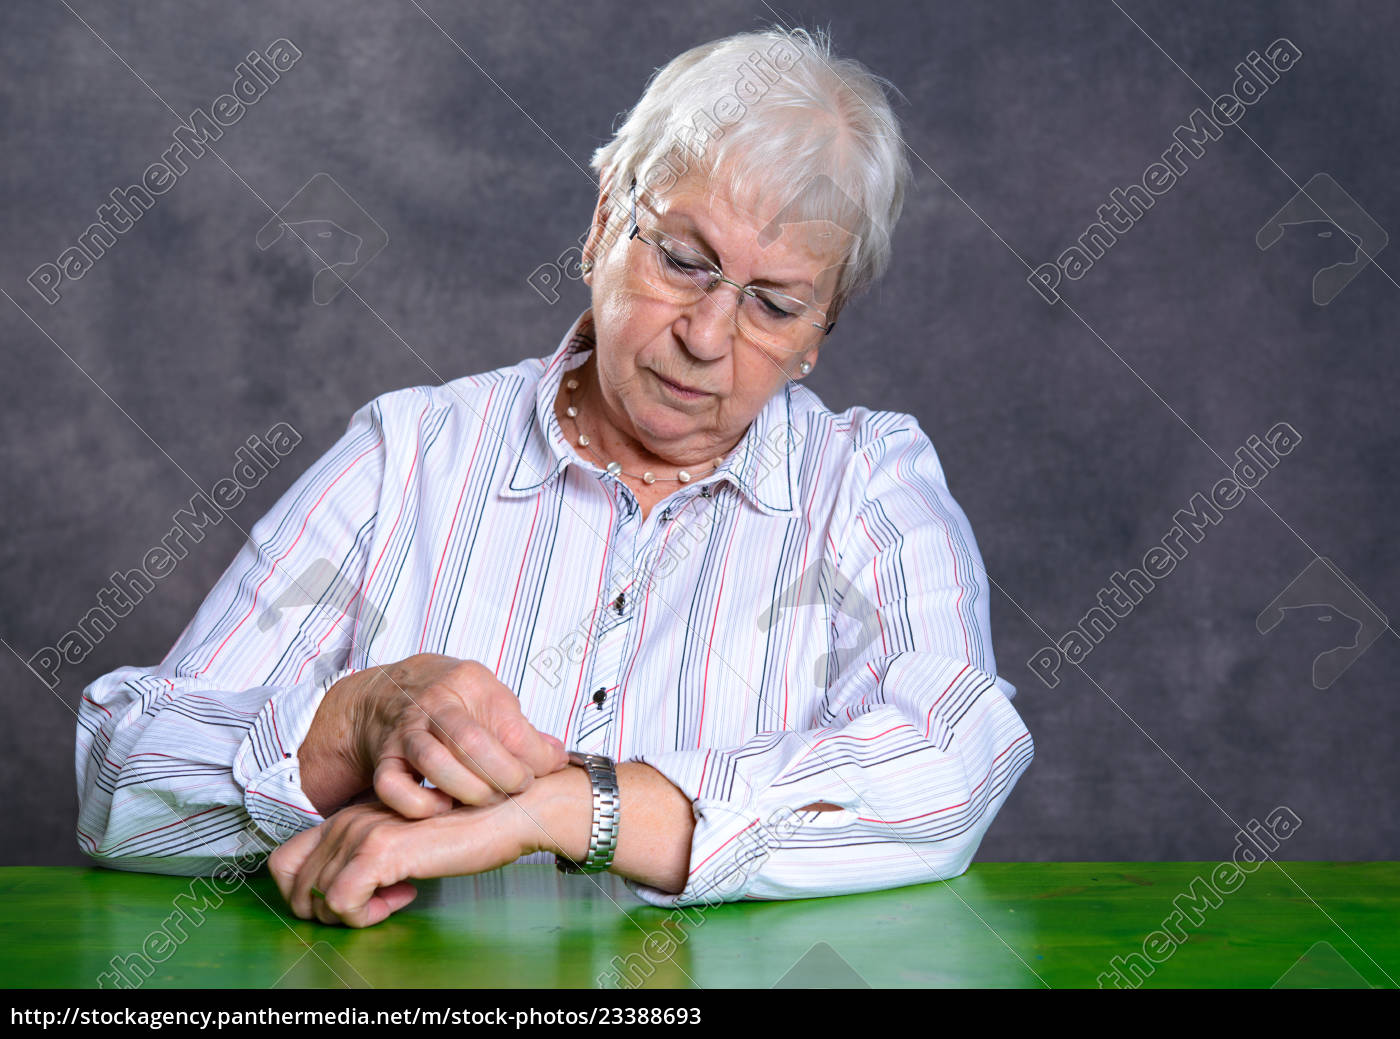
column 773, row 308
column 679, row 264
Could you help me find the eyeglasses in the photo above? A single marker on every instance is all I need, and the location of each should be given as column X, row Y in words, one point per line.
column 769, row 318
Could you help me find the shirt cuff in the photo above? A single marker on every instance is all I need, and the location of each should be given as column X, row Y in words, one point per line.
column 733, row 837
column 266, row 765
column 727, row 847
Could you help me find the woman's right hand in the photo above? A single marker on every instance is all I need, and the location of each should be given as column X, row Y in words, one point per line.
column 431, row 717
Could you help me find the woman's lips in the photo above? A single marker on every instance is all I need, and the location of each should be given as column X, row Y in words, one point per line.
column 679, row 390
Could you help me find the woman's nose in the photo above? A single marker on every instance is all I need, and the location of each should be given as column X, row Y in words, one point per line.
column 712, row 321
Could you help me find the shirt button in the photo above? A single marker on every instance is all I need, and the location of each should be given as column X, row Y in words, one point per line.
column 599, row 695
column 706, row 492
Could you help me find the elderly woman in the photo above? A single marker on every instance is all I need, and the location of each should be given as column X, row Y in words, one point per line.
column 759, row 628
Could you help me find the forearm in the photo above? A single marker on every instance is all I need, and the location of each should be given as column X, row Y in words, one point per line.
column 653, row 845
column 165, row 790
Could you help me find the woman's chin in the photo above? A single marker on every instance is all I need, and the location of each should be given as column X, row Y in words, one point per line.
column 665, row 431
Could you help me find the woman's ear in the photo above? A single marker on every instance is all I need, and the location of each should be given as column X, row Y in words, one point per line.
column 604, row 226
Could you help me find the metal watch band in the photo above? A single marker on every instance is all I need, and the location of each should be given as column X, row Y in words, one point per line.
column 607, row 812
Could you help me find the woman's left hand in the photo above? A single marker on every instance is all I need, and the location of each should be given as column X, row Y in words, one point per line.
column 354, row 868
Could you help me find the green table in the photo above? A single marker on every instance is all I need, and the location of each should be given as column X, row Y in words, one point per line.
column 1294, row 924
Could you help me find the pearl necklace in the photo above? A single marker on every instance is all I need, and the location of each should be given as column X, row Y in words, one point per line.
column 615, row 468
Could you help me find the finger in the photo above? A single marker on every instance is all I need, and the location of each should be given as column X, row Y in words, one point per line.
column 382, row 904
column 473, row 743
column 436, row 761
column 391, row 899
column 329, row 868
column 397, row 785
column 469, row 744
column 322, row 911
column 286, row 863
column 540, row 752
column 362, row 880
column 307, row 901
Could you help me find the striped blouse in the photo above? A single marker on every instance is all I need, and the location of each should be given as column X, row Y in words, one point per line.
column 807, row 623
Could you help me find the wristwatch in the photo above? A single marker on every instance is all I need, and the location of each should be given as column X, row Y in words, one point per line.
column 607, row 810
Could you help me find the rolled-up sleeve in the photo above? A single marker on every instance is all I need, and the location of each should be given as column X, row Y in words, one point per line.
column 915, row 743
column 193, row 762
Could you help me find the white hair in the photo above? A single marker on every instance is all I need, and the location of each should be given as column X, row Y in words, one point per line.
column 775, row 112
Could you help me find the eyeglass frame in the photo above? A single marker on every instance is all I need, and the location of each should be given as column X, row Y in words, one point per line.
column 718, row 273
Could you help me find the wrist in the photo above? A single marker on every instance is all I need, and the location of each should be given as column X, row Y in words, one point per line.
column 605, row 818
column 331, row 765
column 558, row 813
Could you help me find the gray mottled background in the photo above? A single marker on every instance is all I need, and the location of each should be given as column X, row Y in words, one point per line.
column 1071, row 434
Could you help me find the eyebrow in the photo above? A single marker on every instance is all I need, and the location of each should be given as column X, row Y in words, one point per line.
column 694, row 229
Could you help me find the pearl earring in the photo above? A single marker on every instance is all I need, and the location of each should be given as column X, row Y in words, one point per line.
column 806, row 367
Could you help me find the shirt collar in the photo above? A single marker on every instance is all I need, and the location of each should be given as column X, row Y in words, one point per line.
column 763, row 465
